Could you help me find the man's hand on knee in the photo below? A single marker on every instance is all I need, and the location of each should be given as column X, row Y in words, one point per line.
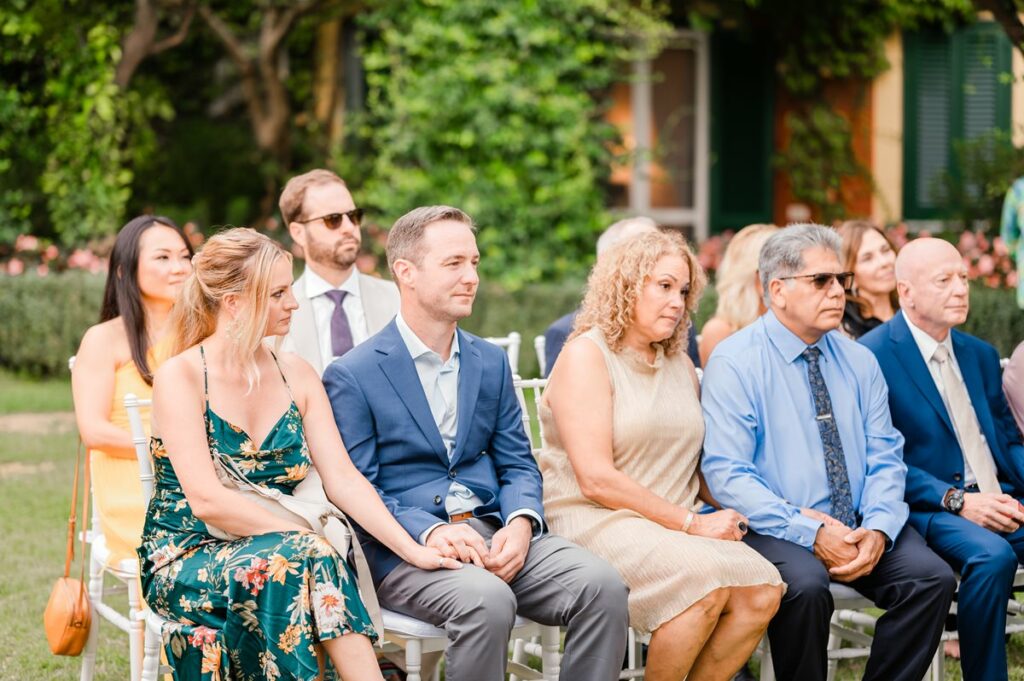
column 459, row 541
column 831, row 548
column 509, row 547
column 996, row 512
column 870, row 545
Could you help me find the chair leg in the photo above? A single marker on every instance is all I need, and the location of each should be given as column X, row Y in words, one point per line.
column 551, row 656
column 95, row 596
column 151, row 655
column 834, row 643
column 136, row 632
column 767, row 669
column 518, row 655
column 413, row 660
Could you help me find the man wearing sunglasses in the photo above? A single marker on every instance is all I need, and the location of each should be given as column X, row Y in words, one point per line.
column 963, row 449
column 799, row 439
column 339, row 307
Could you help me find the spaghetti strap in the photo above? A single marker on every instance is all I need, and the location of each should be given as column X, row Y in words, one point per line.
column 206, row 380
column 280, row 371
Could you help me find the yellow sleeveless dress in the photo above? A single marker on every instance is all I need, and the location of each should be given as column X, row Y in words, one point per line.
column 115, row 472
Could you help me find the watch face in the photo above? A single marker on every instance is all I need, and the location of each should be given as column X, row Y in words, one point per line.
column 956, row 502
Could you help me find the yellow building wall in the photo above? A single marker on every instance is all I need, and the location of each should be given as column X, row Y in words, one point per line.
column 887, row 136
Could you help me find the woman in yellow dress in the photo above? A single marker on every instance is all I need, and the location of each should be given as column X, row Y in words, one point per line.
column 150, row 260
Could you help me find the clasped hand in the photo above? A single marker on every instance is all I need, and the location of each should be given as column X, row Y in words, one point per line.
column 996, row 512
column 505, row 556
column 848, row 554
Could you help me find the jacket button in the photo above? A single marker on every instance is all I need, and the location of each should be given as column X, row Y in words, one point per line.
column 437, row 499
column 451, row 474
column 957, row 476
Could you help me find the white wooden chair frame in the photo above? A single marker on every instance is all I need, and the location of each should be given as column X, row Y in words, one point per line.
column 510, row 344
column 540, row 346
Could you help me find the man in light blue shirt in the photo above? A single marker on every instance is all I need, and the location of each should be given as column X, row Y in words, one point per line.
column 799, row 439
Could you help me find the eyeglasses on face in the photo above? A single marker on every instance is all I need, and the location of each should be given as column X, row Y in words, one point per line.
column 823, row 280
column 333, row 220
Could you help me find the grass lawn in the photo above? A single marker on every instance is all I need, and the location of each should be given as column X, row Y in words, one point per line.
column 36, row 470
column 20, row 395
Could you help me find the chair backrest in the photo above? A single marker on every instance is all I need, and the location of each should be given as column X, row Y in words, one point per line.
column 700, row 375
column 71, row 363
column 140, row 440
column 531, row 409
column 1003, row 361
column 540, row 346
column 511, row 345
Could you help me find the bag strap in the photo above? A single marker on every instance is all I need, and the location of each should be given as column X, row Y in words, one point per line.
column 72, row 518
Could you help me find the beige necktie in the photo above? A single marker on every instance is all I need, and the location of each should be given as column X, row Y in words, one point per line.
column 977, row 454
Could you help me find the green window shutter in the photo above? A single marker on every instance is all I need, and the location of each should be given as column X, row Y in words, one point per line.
column 927, row 119
column 742, row 131
column 953, row 89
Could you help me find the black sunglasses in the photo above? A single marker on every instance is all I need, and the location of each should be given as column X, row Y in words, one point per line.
column 333, row 220
column 823, row 280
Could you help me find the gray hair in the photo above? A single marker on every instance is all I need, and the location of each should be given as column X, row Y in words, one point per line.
column 624, row 229
column 783, row 253
column 406, row 236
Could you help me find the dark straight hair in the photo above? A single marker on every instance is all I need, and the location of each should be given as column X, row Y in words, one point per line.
column 122, row 297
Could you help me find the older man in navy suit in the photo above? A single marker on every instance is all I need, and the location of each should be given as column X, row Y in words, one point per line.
column 963, row 450
column 428, row 413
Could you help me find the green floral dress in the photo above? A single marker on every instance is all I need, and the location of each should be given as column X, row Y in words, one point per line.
column 255, row 607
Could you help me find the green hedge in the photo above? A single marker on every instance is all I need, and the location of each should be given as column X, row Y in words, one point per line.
column 42, row 319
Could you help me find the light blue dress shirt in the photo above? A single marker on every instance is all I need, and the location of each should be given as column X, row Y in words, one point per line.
column 763, row 454
column 440, row 381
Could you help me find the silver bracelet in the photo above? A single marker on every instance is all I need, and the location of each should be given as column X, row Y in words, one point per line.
column 687, row 522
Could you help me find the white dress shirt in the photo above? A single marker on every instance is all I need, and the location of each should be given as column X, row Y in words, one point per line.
column 927, row 345
column 323, row 308
column 440, row 381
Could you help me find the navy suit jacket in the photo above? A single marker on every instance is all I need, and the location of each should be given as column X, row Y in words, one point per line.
column 935, row 462
column 385, row 421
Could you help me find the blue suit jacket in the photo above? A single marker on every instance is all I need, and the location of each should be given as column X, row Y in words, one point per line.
column 385, row 421
column 934, row 459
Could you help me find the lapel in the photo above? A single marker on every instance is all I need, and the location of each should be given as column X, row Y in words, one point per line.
column 397, row 365
column 971, row 373
column 470, row 370
column 304, row 333
column 909, row 355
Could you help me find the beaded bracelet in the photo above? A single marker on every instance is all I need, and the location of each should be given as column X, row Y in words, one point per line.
column 687, row 522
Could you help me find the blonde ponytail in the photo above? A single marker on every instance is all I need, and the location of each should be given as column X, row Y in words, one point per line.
column 236, row 261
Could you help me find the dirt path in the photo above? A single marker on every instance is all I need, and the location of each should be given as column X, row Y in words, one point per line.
column 38, row 424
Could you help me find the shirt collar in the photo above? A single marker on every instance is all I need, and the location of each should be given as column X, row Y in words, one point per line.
column 789, row 345
column 417, row 348
column 925, row 343
column 317, row 285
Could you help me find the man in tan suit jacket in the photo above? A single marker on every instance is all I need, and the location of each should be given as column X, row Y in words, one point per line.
column 323, row 219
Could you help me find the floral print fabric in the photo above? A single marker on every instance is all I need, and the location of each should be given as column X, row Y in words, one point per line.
column 252, row 608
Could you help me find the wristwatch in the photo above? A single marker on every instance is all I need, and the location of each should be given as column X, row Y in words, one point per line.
column 954, row 501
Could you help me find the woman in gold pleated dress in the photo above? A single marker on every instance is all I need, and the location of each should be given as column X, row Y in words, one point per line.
column 624, row 430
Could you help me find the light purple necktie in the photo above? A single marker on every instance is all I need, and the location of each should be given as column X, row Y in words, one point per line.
column 341, row 332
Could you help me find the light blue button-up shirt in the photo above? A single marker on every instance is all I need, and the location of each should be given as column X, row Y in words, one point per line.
column 763, row 454
column 440, row 381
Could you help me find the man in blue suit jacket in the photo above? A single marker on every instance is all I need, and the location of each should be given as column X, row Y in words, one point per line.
column 963, row 450
column 429, row 415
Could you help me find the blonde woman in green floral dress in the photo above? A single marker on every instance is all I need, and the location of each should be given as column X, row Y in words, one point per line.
column 270, row 604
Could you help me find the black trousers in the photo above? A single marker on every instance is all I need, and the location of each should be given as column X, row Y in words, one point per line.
column 912, row 584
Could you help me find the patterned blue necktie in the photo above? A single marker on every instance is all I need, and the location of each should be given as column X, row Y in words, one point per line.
column 835, row 460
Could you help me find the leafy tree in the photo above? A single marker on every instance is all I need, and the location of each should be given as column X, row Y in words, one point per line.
column 497, row 107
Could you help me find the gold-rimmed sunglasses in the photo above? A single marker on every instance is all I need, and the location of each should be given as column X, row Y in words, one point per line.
column 333, row 220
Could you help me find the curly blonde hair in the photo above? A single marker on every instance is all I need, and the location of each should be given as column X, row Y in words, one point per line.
column 617, row 280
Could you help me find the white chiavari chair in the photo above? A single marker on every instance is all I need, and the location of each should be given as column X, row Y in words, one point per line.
column 510, row 344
